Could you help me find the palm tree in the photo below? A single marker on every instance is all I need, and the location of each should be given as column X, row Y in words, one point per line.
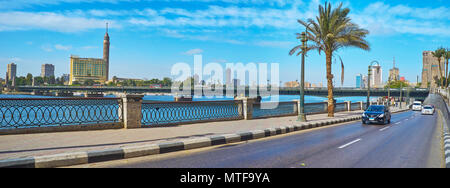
column 330, row 31
column 439, row 53
column 446, row 56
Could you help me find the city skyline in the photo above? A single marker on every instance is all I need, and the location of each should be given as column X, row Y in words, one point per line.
column 147, row 40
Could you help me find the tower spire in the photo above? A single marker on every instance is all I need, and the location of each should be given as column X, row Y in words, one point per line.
column 394, row 61
column 106, row 27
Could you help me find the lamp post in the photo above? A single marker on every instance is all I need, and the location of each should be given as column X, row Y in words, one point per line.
column 401, row 89
column 368, row 82
column 301, row 110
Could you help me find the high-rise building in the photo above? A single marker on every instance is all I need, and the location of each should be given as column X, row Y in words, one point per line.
column 82, row 69
column 394, row 73
column 11, row 71
column 228, row 77
column 376, row 78
column 430, row 70
column 47, row 70
column 359, row 81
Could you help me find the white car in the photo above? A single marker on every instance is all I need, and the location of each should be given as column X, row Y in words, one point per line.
column 427, row 110
column 417, row 106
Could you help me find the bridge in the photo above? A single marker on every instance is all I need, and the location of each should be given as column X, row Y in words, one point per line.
column 338, row 92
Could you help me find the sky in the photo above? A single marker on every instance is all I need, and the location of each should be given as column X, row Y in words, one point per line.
column 148, row 37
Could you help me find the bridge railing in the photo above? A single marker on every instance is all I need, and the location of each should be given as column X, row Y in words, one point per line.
column 169, row 113
column 58, row 112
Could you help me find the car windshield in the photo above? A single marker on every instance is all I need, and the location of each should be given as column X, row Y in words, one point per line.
column 416, row 103
column 376, row 108
column 428, row 107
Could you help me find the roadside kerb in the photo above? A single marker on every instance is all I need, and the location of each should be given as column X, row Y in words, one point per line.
column 77, row 158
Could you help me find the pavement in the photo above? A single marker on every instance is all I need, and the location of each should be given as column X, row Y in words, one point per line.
column 87, row 144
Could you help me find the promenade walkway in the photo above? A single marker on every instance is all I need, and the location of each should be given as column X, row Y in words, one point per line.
column 27, row 145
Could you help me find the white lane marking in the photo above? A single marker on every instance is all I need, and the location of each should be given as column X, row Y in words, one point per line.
column 397, row 123
column 350, row 143
column 384, row 128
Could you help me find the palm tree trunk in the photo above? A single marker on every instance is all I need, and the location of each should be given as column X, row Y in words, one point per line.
column 440, row 73
column 330, row 85
column 446, row 74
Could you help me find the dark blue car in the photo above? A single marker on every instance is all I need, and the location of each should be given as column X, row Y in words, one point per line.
column 377, row 114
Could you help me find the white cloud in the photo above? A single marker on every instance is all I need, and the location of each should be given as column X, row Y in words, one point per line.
column 17, row 20
column 383, row 19
column 61, row 47
column 193, row 52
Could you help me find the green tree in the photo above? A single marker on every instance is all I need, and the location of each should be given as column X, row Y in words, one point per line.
column 29, row 79
column 397, row 84
column 446, row 56
column 38, row 81
column 88, row 82
column 331, row 31
column 439, row 53
column 167, row 82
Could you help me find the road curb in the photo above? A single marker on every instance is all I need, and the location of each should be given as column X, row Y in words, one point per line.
column 77, row 158
column 446, row 136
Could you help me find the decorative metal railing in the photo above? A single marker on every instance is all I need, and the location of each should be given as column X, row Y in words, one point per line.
column 44, row 112
column 282, row 109
column 169, row 113
column 316, row 108
column 341, row 107
column 355, row 106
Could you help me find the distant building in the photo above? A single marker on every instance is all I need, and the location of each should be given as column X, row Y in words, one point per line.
column 394, row 73
column 117, row 79
column 65, row 78
column 228, row 77
column 82, row 69
column 430, row 69
column 292, row 84
column 359, row 81
column 155, row 86
column 236, row 82
column 376, row 78
column 11, row 71
column 47, row 70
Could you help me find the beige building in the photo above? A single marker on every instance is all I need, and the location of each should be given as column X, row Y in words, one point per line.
column 292, row 84
column 430, row 70
column 376, row 77
column 47, row 70
column 82, row 69
column 11, row 71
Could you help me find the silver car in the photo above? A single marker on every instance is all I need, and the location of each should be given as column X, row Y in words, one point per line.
column 427, row 110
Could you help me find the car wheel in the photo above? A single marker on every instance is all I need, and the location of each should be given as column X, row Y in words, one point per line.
column 364, row 122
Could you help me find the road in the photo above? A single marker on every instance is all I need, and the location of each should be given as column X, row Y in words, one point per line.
column 411, row 140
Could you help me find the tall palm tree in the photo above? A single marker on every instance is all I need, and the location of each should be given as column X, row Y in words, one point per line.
column 330, row 31
column 439, row 53
column 446, row 56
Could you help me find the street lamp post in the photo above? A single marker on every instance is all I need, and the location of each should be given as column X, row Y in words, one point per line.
column 301, row 110
column 401, row 89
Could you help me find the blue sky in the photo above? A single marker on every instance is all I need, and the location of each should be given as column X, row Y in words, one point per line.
column 149, row 36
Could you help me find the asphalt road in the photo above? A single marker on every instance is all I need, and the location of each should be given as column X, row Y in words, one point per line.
column 411, row 140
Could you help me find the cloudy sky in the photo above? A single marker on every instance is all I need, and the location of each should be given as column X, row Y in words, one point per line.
column 149, row 36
